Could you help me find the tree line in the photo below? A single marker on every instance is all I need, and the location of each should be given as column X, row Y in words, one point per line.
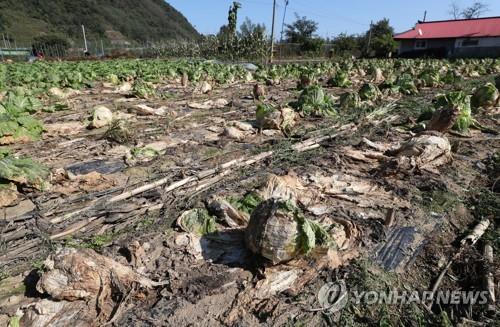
column 251, row 39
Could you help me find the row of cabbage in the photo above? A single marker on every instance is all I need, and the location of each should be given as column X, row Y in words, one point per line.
column 43, row 75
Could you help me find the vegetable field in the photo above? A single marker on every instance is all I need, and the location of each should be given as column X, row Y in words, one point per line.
column 160, row 193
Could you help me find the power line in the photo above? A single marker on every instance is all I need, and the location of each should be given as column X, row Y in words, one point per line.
column 330, row 15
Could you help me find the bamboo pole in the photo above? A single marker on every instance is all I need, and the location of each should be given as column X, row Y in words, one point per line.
column 222, row 169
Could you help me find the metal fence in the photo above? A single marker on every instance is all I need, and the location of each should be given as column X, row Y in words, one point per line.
column 21, row 50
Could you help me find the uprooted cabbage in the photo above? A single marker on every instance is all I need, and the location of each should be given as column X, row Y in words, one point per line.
column 142, row 89
column 462, row 102
column 426, row 152
column 430, row 78
column 406, row 84
column 269, row 117
column 350, row 100
column 485, row 96
column 369, row 92
column 278, row 231
column 197, row 221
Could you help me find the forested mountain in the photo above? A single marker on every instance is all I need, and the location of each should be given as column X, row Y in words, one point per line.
column 132, row 20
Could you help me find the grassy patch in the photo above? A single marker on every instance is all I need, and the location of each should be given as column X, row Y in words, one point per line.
column 440, row 201
column 97, row 242
column 368, row 277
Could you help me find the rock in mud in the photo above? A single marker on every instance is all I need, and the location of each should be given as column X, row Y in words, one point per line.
column 101, row 117
column 145, row 110
column 209, row 104
column 246, row 127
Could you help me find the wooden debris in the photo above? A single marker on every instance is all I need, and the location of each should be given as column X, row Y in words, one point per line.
column 469, row 240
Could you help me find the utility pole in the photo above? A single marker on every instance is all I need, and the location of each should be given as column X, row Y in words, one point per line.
column 272, row 32
column 283, row 23
column 84, row 39
column 369, row 39
column 425, row 15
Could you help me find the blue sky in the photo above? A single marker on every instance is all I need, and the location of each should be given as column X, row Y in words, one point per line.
column 333, row 16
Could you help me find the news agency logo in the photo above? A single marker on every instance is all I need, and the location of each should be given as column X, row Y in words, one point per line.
column 334, row 296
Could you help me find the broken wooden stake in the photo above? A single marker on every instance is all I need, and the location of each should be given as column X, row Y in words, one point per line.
column 469, row 240
column 489, row 278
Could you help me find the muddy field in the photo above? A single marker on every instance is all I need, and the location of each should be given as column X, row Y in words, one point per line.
column 146, row 218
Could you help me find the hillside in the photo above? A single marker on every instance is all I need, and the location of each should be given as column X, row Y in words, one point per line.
column 112, row 19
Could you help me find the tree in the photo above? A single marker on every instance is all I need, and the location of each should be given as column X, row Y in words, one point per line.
column 380, row 39
column 301, row 30
column 381, row 28
column 384, row 45
column 454, row 10
column 248, row 28
column 233, row 17
column 252, row 40
column 345, row 44
column 475, row 11
column 228, row 31
column 249, row 42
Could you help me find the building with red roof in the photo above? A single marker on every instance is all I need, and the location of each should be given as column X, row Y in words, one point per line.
column 479, row 37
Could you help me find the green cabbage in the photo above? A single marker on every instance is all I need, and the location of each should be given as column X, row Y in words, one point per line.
column 350, row 100
column 369, row 92
column 430, row 78
column 406, row 84
column 486, row 96
column 313, row 102
column 142, row 89
column 463, row 102
column 340, row 79
column 24, row 171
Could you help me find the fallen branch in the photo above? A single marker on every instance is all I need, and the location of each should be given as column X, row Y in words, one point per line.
column 469, row 240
